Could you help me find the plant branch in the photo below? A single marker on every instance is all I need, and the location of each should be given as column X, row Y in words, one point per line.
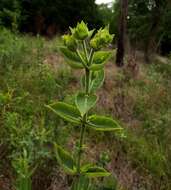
column 85, row 51
column 80, row 56
column 91, row 56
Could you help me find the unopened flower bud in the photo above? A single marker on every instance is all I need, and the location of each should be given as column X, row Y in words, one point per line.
column 70, row 42
column 101, row 39
column 81, row 31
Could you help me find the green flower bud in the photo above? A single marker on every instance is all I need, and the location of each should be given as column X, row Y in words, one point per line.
column 81, row 31
column 70, row 42
column 101, row 39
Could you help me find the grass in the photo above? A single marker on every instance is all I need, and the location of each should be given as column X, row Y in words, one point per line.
column 32, row 73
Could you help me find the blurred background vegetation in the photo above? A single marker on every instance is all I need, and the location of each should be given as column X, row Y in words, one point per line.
column 146, row 18
column 33, row 74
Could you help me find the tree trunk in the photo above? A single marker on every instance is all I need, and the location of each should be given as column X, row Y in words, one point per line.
column 122, row 33
column 156, row 19
column 151, row 42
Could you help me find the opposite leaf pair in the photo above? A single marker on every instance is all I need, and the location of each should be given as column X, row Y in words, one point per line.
column 69, row 165
column 72, row 114
column 78, row 61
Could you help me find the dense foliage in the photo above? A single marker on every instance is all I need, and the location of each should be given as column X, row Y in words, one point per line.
column 148, row 24
column 47, row 17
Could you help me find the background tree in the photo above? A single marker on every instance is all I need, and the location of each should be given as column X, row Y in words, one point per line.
column 122, row 32
column 157, row 9
column 10, row 13
column 148, row 25
column 165, row 42
column 58, row 14
column 105, row 13
column 48, row 17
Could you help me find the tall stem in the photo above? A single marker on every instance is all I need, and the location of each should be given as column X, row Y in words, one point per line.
column 80, row 147
column 87, row 84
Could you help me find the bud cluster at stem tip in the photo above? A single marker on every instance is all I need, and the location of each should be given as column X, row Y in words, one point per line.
column 70, row 42
column 81, row 31
column 101, row 39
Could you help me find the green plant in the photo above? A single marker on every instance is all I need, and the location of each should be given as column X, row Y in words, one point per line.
column 27, row 147
column 10, row 14
column 24, row 171
column 82, row 51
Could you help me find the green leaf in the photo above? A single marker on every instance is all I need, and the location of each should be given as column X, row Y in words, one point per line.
column 72, row 58
column 94, row 171
column 82, row 183
column 102, row 123
column 70, row 55
column 85, row 102
column 97, row 80
column 67, row 112
column 65, row 160
column 99, row 59
column 74, row 65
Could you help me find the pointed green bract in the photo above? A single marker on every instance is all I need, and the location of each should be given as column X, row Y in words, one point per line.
column 65, row 160
column 102, row 123
column 97, row 80
column 72, row 58
column 99, row 59
column 81, row 31
column 94, row 171
column 91, row 33
column 67, row 112
column 85, row 102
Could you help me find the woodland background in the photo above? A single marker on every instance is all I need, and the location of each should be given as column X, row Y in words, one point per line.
column 137, row 91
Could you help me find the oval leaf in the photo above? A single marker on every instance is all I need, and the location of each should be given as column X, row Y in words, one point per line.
column 102, row 123
column 99, row 59
column 74, row 65
column 65, row 160
column 85, row 102
column 97, row 80
column 95, row 171
column 72, row 58
column 66, row 111
column 69, row 54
